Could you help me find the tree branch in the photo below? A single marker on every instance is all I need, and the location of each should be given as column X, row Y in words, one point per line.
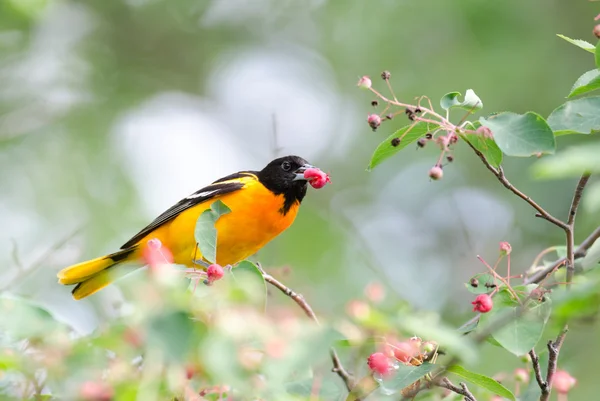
column 462, row 390
column 338, row 368
column 535, row 362
column 553, row 351
column 580, row 252
column 499, row 173
column 570, row 229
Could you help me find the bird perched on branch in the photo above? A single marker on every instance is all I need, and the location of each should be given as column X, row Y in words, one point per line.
column 263, row 204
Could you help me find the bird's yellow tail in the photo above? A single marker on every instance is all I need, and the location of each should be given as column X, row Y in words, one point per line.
column 95, row 274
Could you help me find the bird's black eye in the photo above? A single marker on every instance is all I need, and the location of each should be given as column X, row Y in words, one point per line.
column 286, row 166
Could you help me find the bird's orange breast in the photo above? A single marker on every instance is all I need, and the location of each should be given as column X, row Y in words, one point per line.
column 256, row 218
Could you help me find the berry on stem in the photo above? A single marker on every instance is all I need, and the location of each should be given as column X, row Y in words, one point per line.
column 214, row 272
column 364, row 82
column 505, row 248
column 395, row 142
column 374, row 121
column 483, row 303
column 379, row 363
column 436, row 173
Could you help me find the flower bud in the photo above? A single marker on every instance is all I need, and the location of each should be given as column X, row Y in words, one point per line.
column 436, row 173
column 421, row 143
column 505, row 248
column 483, row 303
column 214, row 272
column 374, row 121
column 386, row 75
column 395, row 142
column 364, row 82
column 596, row 31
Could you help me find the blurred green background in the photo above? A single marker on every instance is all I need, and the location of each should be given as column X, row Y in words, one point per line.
column 111, row 111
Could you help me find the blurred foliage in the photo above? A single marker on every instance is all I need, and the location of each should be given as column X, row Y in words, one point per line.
column 112, row 111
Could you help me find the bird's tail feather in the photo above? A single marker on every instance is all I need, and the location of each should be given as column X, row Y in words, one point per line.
column 95, row 274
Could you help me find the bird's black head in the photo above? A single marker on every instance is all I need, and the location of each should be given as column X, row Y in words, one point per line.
column 285, row 175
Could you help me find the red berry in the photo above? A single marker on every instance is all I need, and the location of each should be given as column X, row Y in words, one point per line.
column 436, row 173
column 483, row 303
column 374, row 121
column 364, row 82
column 379, row 363
column 214, row 272
column 316, row 178
column 563, row 382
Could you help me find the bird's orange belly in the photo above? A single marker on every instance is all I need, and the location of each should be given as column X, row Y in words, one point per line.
column 254, row 220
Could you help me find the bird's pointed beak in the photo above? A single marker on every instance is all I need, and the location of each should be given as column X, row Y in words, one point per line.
column 300, row 172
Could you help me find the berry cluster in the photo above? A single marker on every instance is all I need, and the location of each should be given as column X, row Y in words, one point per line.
column 443, row 133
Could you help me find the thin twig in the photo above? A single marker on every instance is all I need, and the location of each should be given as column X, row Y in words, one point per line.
column 499, row 173
column 570, row 230
column 553, row 351
column 462, row 390
column 535, row 362
column 338, row 368
column 25, row 272
column 580, row 252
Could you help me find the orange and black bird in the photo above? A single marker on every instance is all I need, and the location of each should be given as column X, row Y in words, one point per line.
column 263, row 204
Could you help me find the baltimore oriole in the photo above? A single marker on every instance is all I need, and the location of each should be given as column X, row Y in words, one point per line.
column 263, row 204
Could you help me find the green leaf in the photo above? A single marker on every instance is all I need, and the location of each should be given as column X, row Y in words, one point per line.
column 589, row 81
column 326, row 390
column 597, row 54
column 408, row 135
column 206, row 233
column 482, row 381
column 483, row 279
column 579, row 116
column 173, row 333
column 582, row 44
column 521, row 134
column 487, row 146
column 363, row 388
column 22, row 318
column 251, row 280
column 404, row 376
column 523, row 331
column 571, row 162
column 472, row 102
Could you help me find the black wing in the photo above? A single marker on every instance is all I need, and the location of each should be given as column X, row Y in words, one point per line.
column 220, row 187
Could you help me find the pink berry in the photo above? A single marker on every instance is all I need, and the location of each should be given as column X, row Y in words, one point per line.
column 483, row 303
column 405, row 351
column 155, row 254
column 563, row 381
column 505, row 248
column 521, row 375
column 214, row 272
column 436, row 173
column 94, row 391
column 364, row 82
column 316, row 178
column 379, row 363
column 374, row 121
